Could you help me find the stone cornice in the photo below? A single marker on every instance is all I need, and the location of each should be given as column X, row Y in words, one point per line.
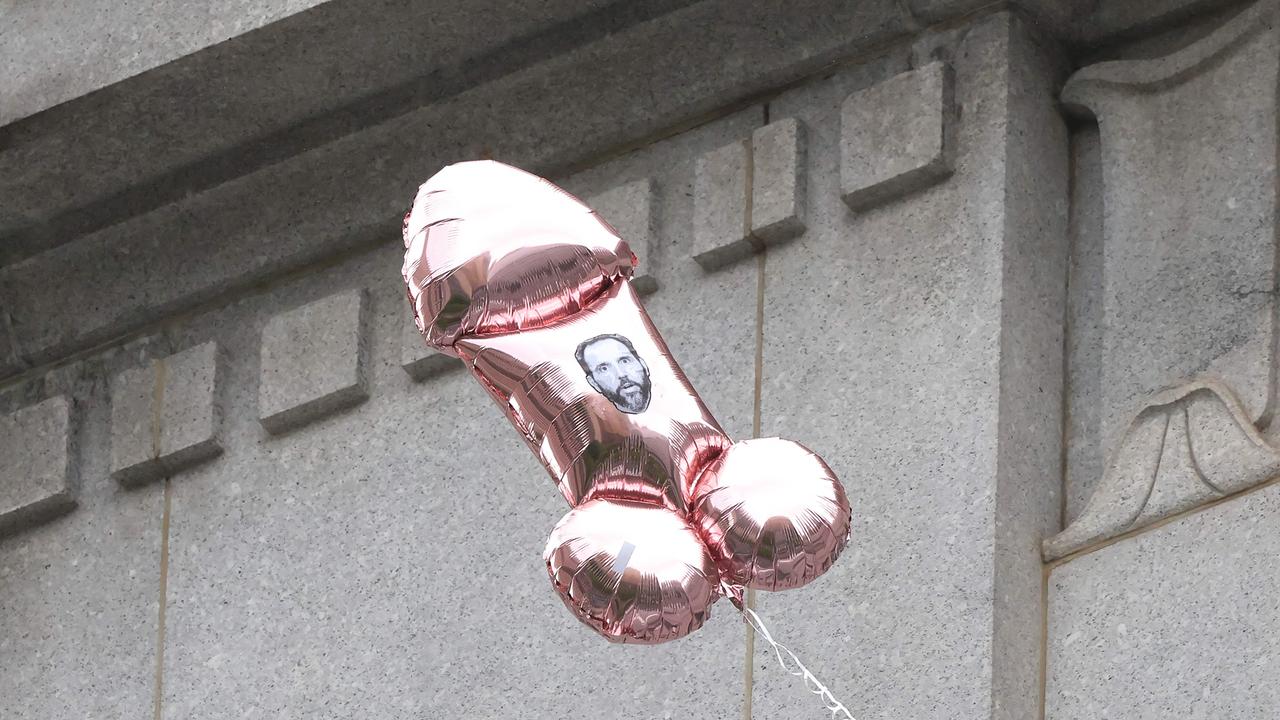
column 189, row 182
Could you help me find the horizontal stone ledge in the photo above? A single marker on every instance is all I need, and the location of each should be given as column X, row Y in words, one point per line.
column 294, row 76
column 174, row 234
column 350, row 193
column 283, row 81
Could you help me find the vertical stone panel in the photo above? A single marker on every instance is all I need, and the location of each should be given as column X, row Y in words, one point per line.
column 721, row 188
column 78, row 595
column 313, row 361
column 1189, row 182
column 778, row 181
column 134, row 456
column 917, row 347
column 1085, row 326
column 1033, row 287
column 37, row 464
column 1178, row 622
column 190, row 414
column 897, row 136
column 1180, row 292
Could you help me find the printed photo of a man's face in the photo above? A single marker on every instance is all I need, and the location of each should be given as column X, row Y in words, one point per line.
column 616, row 371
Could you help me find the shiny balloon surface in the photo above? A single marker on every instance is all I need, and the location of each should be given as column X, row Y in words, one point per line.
column 532, row 290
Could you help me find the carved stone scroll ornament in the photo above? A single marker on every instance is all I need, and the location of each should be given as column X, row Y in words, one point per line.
column 1181, row 284
column 1191, row 444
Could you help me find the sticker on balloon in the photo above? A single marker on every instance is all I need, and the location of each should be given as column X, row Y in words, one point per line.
column 616, row 371
column 532, row 290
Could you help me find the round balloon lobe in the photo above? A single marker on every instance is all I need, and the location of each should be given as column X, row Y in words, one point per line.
column 634, row 573
column 772, row 513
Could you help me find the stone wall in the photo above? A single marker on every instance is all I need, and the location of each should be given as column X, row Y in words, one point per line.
column 1011, row 269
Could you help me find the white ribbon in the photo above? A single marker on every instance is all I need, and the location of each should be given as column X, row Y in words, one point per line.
column 794, row 667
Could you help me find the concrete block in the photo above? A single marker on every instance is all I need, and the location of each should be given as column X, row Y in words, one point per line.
column 897, row 136
column 37, row 464
column 721, row 231
column 1176, row 622
column 314, row 361
column 1180, row 285
column 420, row 361
column 277, row 70
column 61, row 51
column 778, row 181
column 165, row 416
column 630, row 210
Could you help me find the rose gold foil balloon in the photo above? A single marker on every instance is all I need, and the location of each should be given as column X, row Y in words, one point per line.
column 532, row 290
column 632, row 572
column 773, row 514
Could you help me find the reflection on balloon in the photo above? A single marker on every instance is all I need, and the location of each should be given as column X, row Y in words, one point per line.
column 532, row 291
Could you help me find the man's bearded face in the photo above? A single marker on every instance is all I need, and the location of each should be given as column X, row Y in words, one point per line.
column 618, row 374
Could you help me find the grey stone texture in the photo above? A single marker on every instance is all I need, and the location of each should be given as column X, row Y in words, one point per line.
column 722, row 193
column 1056, row 14
column 165, row 416
column 37, row 464
column 896, row 137
column 1178, row 622
column 1085, row 23
column 630, row 210
column 1176, row 282
column 1108, row 19
column 134, row 444
column 1085, row 327
column 916, row 346
column 60, row 50
column 79, row 594
column 749, row 194
column 190, row 411
column 778, row 181
column 314, row 361
column 226, row 197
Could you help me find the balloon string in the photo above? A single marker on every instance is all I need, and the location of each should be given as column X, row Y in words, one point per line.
column 787, row 660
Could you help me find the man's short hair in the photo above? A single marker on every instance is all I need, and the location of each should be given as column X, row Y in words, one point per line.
column 581, row 352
